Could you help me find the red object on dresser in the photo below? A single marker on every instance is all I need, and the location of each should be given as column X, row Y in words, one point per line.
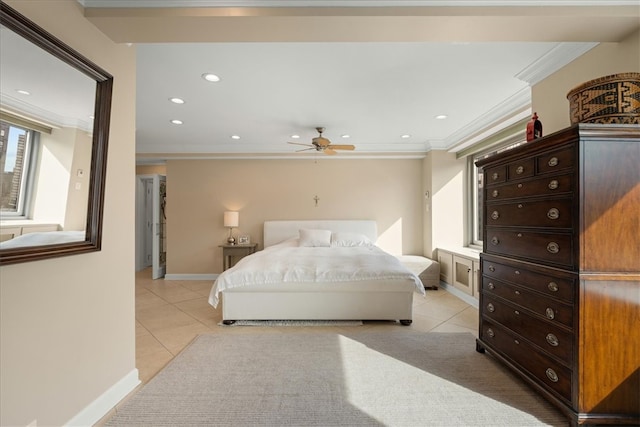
column 534, row 128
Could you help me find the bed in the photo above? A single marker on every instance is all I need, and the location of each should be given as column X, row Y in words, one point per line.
column 317, row 270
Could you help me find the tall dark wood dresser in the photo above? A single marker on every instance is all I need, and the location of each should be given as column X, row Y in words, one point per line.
column 560, row 296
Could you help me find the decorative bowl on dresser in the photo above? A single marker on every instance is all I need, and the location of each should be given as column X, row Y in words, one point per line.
column 560, row 291
column 609, row 99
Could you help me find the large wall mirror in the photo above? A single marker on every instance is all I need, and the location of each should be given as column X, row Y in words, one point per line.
column 55, row 107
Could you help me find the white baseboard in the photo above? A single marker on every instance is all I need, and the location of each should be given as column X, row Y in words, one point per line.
column 212, row 276
column 107, row 401
column 464, row 297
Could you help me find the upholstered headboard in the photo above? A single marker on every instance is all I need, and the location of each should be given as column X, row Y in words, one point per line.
column 279, row 231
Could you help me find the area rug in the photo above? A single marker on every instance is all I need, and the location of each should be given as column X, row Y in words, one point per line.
column 391, row 378
column 294, row 323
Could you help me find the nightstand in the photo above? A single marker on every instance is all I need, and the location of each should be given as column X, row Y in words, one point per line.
column 234, row 253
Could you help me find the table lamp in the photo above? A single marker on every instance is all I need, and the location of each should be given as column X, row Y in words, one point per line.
column 231, row 220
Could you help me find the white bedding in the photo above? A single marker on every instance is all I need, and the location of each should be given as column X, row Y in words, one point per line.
column 287, row 262
column 43, row 238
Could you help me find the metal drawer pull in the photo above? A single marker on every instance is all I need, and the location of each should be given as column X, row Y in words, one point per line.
column 495, row 215
column 553, row 248
column 495, row 176
column 516, row 341
column 550, row 313
column 490, row 333
column 553, row 161
column 495, row 240
column 491, row 308
column 553, row 184
column 519, row 235
column 552, row 340
column 516, row 312
column 517, row 271
column 491, row 286
column 520, row 206
column 553, row 213
column 495, row 193
column 519, row 169
column 517, row 292
column 553, row 286
column 551, row 374
column 519, row 185
column 492, row 268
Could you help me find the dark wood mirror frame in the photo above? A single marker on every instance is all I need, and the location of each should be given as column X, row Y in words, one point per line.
column 18, row 23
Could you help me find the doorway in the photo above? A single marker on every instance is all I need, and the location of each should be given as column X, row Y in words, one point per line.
column 151, row 223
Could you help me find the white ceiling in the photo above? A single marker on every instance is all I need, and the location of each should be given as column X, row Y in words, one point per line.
column 363, row 76
column 22, row 67
column 374, row 92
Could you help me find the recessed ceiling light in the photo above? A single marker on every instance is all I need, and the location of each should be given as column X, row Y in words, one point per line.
column 176, row 122
column 210, row 77
column 23, row 92
column 345, row 136
column 295, row 136
column 405, row 136
column 441, row 116
column 235, row 136
column 177, row 100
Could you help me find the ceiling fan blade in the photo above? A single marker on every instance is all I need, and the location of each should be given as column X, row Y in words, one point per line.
column 298, row 143
column 305, row 149
column 329, row 151
column 342, row 147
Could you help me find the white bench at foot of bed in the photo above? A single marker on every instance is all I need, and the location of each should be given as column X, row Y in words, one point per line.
column 426, row 269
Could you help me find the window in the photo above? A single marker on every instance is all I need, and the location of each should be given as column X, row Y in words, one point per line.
column 477, row 185
column 16, row 147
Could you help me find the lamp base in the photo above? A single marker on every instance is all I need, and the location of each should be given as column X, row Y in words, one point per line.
column 231, row 240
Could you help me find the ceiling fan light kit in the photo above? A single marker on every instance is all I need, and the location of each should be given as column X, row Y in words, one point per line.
column 323, row 145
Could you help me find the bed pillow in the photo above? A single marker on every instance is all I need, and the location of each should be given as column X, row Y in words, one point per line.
column 315, row 238
column 346, row 239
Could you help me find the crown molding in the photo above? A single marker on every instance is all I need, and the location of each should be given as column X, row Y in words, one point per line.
column 490, row 122
column 347, row 3
column 553, row 60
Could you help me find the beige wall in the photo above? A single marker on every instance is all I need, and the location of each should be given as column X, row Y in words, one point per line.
column 76, row 210
column 199, row 191
column 151, row 170
column 448, row 200
column 549, row 97
column 67, row 328
column 57, row 197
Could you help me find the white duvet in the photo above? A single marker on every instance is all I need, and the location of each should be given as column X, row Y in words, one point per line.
column 43, row 238
column 289, row 263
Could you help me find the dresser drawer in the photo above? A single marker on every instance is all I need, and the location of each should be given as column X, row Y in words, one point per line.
column 553, row 248
column 538, row 187
column 522, row 168
column 495, row 175
column 541, row 368
column 550, row 309
column 546, row 283
column 555, row 160
column 547, row 336
column 543, row 213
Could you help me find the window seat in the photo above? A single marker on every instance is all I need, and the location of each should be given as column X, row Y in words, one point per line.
column 426, row 269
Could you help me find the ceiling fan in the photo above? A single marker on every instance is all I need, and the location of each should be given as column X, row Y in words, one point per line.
column 322, row 144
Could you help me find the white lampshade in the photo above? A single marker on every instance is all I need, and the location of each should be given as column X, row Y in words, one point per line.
column 231, row 219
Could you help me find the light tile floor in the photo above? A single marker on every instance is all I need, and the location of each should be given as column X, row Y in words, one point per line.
column 171, row 313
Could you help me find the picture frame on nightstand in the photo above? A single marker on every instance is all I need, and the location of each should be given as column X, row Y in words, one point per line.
column 244, row 240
